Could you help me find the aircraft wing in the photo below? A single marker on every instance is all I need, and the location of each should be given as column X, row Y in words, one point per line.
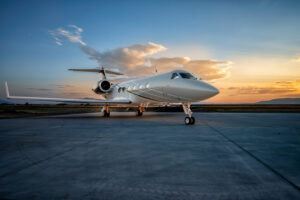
column 94, row 101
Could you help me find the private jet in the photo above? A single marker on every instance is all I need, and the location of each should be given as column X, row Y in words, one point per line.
column 177, row 86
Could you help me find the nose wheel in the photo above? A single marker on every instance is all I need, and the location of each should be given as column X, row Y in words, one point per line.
column 188, row 120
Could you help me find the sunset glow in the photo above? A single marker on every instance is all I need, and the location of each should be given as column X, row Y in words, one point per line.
column 249, row 50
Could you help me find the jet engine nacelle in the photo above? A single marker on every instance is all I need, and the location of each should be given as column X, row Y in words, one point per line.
column 103, row 86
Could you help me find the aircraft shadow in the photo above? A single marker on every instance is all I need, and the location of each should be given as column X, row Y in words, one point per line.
column 113, row 115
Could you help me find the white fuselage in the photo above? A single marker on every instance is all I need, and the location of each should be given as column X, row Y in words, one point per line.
column 177, row 86
column 171, row 87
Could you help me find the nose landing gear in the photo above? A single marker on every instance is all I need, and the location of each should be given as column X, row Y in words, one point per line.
column 188, row 120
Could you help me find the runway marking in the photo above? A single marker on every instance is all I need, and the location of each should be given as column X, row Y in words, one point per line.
column 254, row 157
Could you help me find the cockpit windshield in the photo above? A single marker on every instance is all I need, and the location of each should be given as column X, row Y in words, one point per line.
column 174, row 76
column 187, row 76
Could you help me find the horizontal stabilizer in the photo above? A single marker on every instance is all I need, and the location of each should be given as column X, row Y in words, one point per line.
column 97, row 70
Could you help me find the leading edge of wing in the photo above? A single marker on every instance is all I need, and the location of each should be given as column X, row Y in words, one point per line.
column 94, row 101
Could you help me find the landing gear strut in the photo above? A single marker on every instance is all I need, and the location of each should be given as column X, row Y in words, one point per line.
column 139, row 111
column 106, row 112
column 188, row 120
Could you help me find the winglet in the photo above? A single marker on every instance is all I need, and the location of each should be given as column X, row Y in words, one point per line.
column 6, row 90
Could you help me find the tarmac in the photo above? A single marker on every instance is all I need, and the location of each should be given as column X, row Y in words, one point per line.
column 85, row 156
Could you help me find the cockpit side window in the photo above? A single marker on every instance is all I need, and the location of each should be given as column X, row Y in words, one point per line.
column 187, row 76
column 174, row 76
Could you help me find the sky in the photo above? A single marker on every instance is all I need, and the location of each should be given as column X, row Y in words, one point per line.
column 250, row 50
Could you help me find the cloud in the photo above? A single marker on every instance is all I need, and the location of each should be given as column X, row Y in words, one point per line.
column 262, row 90
column 63, row 85
column 297, row 59
column 281, row 87
column 77, row 29
column 73, row 33
column 40, row 89
column 126, row 57
column 206, row 69
column 134, row 60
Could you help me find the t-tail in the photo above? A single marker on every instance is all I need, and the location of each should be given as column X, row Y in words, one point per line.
column 103, row 85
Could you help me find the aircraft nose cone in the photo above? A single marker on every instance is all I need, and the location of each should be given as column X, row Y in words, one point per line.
column 204, row 90
column 209, row 90
column 214, row 91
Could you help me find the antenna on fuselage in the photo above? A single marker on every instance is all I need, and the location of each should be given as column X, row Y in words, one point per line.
column 155, row 70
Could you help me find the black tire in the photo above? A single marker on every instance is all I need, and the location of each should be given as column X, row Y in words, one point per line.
column 193, row 120
column 106, row 114
column 139, row 113
column 187, row 120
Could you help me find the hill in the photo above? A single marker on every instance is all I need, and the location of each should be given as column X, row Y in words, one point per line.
column 281, row 101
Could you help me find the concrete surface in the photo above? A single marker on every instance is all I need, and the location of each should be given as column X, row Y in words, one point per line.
column 84, row 156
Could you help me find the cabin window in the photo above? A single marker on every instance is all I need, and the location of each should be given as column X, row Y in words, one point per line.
column 187, row 76
column 174, row 76
column 121, row 89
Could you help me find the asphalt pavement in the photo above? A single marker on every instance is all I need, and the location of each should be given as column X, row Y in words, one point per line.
column 85, row 156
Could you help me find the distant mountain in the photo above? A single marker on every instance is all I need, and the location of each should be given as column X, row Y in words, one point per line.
column 281, row 101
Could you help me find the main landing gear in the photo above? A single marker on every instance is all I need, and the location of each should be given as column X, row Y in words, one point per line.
column 188, row 120
column 139, row 111
column 106, row 112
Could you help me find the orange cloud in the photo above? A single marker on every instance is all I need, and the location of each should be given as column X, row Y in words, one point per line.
column 125, row 58
column 206, row 69
column 257, row 92
column 134, row 60
column 297, row 59
column 281, row 87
